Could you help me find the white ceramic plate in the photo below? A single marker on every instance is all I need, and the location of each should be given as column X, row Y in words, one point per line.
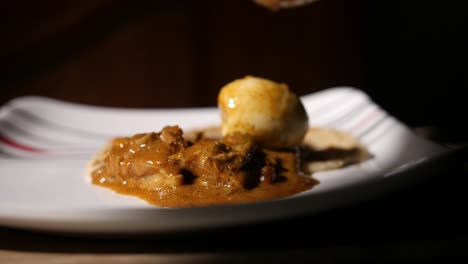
column 45, row 145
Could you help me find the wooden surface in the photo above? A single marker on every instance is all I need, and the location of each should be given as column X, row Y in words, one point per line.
column 172, row 53
column 425, row 221
column 179, row 53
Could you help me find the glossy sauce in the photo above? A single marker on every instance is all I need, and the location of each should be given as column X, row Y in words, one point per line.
column 167, row 170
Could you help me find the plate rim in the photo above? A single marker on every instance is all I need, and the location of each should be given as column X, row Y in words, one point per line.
column 66, row 222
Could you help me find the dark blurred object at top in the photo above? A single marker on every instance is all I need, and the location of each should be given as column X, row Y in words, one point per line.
column 276, row 5
column 408, row 55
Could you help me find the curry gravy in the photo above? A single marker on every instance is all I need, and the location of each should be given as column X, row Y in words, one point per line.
column 167, row 170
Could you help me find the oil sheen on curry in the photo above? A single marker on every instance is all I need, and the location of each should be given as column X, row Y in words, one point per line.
column 265, row 150
column 167, row 170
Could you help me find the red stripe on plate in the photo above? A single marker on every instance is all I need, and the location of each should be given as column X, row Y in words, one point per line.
column 17, row 145
column 368, row 119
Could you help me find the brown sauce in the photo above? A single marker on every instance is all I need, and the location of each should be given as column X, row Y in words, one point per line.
column 167, row 170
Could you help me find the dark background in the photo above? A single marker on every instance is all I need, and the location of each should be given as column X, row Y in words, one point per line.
column 410, row 56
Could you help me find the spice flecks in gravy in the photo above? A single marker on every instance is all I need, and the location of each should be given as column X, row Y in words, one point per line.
column 167, row 170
